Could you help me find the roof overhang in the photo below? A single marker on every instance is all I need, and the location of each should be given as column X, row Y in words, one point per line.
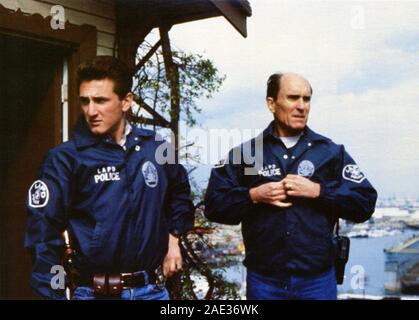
column 157, row 13
column 236, row 12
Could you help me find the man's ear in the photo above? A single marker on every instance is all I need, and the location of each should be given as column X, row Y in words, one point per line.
column 271, row 104
column 127, row 102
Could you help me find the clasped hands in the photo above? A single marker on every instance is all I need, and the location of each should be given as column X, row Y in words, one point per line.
column 276, row 193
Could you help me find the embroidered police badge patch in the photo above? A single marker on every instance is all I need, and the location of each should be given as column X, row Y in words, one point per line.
column 352, row 173
column 150, row 174
column 38, row 194
column 305, row 168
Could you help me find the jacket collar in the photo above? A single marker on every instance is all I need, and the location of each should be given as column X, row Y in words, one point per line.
column 83, row 137
column 308, row 134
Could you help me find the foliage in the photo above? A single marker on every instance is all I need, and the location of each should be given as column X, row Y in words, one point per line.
column 198, row 77
column 203, row 265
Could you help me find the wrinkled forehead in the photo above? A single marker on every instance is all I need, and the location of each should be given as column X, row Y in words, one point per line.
column 295, row 83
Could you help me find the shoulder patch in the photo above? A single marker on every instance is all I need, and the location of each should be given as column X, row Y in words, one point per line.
column 352, row 173
column 38, row 194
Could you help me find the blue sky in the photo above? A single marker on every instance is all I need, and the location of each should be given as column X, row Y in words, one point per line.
column 362, row 59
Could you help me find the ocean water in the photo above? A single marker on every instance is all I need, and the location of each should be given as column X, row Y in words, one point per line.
column 368, row 254
column 364, row 273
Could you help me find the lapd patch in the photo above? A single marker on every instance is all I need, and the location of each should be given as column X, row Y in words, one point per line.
column 108, row 173
column 150, row 174
column 305, row 168
column 352, row 173
column 38, row 194
column 269, row 171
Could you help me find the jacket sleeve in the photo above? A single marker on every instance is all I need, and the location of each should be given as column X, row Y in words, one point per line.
column 350, row 196
column 227, row 200
column 179, row 206
column 46, row 205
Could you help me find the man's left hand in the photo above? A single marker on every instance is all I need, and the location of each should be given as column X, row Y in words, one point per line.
column 297, row 186
column 173, row 261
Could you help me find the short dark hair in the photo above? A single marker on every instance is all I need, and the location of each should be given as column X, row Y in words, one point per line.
column 274, row 85
column 106, row 67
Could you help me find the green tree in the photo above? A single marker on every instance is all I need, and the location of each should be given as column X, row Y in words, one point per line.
column 203, row 262
column 197, row 77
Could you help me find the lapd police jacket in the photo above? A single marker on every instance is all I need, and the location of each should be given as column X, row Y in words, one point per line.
column 298, row 239
column 118, row 206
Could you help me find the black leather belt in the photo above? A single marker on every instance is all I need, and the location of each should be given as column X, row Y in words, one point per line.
column 138, row 279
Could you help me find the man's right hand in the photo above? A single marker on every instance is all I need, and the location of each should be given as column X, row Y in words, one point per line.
column 271, row 193
column 173, row 261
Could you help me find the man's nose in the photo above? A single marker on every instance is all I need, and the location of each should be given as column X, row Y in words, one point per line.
column 91, row 109
column 301, row 104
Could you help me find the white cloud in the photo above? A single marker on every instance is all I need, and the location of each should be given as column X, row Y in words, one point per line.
column 380, row 125
column 316, row 38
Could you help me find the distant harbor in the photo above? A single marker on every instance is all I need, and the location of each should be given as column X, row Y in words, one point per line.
column 386, row 221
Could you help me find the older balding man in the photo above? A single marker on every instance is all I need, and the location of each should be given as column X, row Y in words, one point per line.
column 288, row 210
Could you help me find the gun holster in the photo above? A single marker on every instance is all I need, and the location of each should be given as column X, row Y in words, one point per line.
column 342, row 256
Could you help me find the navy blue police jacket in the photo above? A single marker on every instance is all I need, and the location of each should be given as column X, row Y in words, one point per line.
column 297, row 239
column 117, row 205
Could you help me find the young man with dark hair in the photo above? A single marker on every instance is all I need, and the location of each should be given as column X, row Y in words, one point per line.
column 122, row 208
